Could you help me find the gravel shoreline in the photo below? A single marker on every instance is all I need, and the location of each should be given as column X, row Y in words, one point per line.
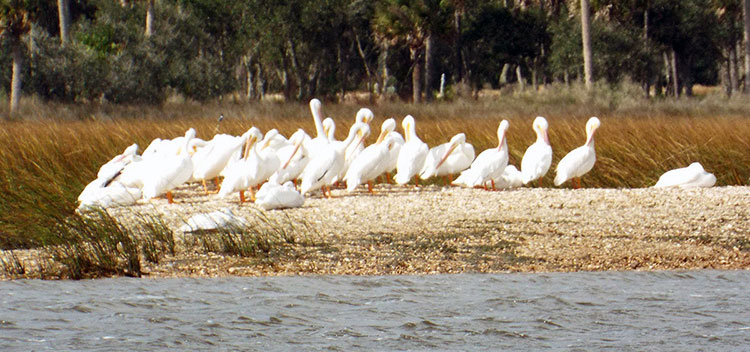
column 432, row 229
column 406, row 230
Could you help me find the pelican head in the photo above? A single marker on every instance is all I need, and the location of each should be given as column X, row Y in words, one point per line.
column 270, row 135
column 253, row 135
column 357, row 134
column 386, row 128
column 591, row 127
column 329, row 127
column 501, row 129
column 408, row 125
column 457, row 140
column 316, row 106
column 540, row 126
column 364, row 115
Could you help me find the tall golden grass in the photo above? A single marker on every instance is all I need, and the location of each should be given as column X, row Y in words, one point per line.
column 47, row 159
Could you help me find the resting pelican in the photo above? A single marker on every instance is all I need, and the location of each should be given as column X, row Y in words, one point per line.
column 687, row 177
column 114, row 194
column 448, row 158
column 274, row 196
column 254, row 168
column 538, row 157
column 220, row 219
column 325, row 166
column 489, row 164
column 511, row 178
column 580, row 160
column 294, row 158
column 165, row 172
column 412, row 155
column 391, row 162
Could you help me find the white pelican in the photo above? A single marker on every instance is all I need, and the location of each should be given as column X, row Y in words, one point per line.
column 209, row 161
column 293, row 159
column 165, row 172
column 489, row 164
column 321, row 140
column 363, row 115
column 113, row 167
column 511, row 178
column 253, row 169
column 329, row 127
column 369, row 164
column 538, row 157
column 274, row 196
column 448, row 158
column 325, row 166
column 215, row 220
column 391, row 163
column 412, row 155
column 580, row 160
column 113, row 194
column 687, row 177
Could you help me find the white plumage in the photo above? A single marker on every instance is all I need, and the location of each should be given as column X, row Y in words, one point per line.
column 326, row 164
column 489, row 164
column 162, row 173
column 448, row 158
column 412, row 155
column 538, row 156
column 216, row 220
column 687, row 177
column 274, row 196
column 580, row 160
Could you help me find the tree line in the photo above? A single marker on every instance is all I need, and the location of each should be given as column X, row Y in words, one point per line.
column 143, row 51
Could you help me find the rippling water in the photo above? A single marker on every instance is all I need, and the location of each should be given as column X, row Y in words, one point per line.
column 697, row 310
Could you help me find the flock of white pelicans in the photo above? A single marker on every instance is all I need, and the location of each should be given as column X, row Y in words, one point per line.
column 274, row 163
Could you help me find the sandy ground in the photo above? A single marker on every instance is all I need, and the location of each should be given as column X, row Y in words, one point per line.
column 403, row 230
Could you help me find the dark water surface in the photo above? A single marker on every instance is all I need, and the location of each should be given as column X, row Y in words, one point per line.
column 619, row 311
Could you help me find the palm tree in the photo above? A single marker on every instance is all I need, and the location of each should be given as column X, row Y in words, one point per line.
column 63, row 10
column 14, row 22
column 411, row 22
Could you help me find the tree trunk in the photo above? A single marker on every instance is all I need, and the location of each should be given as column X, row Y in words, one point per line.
column 746, row 36
column 383, row 68
column 675, row 81
column 458, row 55
column 588, row 65
column 15, row 86
column 428, row 69
column 733, row 69
column 519, row 76
column 416, row 76
column 504, row 74
column 646, row 83
column 261, row 87
column 63, row 11
column 149, row 18
column 364, row 62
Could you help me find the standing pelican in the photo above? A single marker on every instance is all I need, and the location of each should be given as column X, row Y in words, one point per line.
column 412, row 155
column 538, row 157
column 210, row 160
column 325, row 166
column 294, row 158
column 448, row 158
column 254, row 168
column 580, row 160
column 165, row 172
column 364, row 115
column 369, row 164
column 489, row 164
column 321, row 140
column 687, row 177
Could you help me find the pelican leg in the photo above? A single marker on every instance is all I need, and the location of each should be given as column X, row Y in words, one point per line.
column 218, row 185
column 326, row 187
column 252, row 194
column 205, row 188
column 493, row 185
column 416, row 181
column 369, row 187
column 540, row 182
column 170, row 200
column 242, row 197
column 388, row 177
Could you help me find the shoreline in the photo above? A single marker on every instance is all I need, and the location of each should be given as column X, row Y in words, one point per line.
column 430, row 230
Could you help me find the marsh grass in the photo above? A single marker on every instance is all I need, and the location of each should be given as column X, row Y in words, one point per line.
column 48, row 157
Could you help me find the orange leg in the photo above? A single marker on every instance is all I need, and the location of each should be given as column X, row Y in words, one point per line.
column 216, row 182
column 493, row 185
column 205, row 188
column 369, row 187
column 540, row 182
column 328, row 188
column 388, row 177
column 242, row 196
column 170, row 200
column 416, row 180
column 252, row 195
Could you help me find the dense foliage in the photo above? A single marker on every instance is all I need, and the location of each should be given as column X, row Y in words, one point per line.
column 201, row 49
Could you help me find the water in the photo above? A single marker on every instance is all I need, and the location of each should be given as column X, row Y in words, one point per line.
column 620, row 311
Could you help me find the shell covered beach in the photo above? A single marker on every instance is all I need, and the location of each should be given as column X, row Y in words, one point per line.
column 433, row 229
